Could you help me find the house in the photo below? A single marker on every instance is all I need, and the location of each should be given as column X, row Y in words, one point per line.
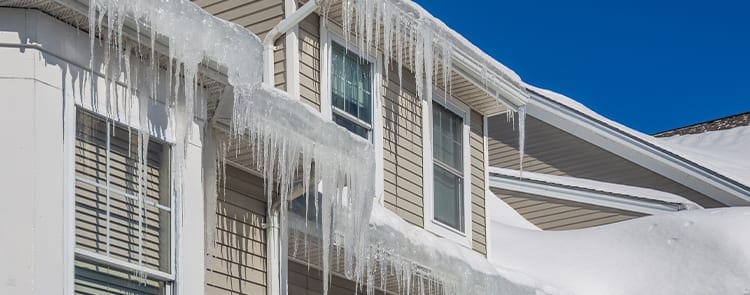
column 154, row 149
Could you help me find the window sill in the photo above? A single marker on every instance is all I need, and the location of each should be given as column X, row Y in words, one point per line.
column 447, row 232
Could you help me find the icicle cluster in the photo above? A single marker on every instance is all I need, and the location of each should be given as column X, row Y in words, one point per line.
column 288, row 138
column 409, row 37
column 417, row 261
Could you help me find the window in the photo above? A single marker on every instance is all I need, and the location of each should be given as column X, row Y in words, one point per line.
column 351, row 91
column 123, row 230
column 448, row 167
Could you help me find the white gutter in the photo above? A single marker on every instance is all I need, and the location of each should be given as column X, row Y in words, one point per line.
column 467, row 67
column 283, row 27
column 581, row 196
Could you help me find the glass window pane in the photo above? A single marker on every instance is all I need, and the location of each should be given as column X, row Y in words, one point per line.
column 448, row 201
column 447, row 137
column 351, row 126
column 351, row 83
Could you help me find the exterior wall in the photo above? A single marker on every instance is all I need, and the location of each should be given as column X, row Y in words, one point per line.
column 556, row 214
column 478, row 217
column 237, row 263
column 259, row 17
column 45, row 63
column 304, row 281
column 553, row 151
column 402, row 148
column 309, row 57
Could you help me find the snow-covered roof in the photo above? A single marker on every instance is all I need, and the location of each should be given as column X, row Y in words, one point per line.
column 687, row 252
column 616, row 190
column 730, row 171
column 724, row 151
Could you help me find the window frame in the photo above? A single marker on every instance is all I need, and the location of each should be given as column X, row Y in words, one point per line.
column 168, row 278
column 331, row 32
column 328, row 38
column 433, row 225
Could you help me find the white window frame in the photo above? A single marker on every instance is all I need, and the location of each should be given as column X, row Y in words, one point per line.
column 431, row 224
column 330, row 32
column 170, row 279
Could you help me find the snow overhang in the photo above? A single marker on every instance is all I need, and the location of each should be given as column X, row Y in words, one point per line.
column 574, row 118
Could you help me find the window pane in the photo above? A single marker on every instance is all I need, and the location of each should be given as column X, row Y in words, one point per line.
column 351, row 126
column 448, row 200
column 351, row 83
column 114, row 216
column 91, row 278
column 447, row 137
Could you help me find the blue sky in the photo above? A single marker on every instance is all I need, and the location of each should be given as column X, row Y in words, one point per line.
column 652, row 65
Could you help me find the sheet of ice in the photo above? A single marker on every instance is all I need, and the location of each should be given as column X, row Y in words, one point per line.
column 500, row 212
column 730, row 168
column 724, row 151
column 688, row 252
column 632, row 191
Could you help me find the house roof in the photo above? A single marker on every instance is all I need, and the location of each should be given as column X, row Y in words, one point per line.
column 723, row 123
column 726, row 185
column 724, row 151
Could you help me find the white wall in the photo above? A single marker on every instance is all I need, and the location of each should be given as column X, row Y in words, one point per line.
column 43, row 62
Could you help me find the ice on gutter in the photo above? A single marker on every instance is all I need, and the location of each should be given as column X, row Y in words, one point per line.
column 638, row 193
column 284, row 134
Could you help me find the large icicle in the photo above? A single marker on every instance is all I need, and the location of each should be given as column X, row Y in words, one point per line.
column 280, row 129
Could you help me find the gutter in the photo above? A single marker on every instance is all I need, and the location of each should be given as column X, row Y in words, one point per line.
column 582, row 196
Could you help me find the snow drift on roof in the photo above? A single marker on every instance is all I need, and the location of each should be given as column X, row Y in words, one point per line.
column 688, row 252
column 725, row 151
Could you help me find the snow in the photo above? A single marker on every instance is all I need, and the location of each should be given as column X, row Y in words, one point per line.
column 503, row 213
column 422, row 262
column 687, row 252
column 724, row 151
column 632, row 191
column 728, row 159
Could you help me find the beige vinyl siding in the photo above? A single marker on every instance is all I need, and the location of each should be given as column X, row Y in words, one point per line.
column 91, row 201
column 476, row 151
column 237, row 264
column 554, row 151
column 309, row 60
column 258, row 16
column 304, row 281
column 556, row 214
column 402, row 148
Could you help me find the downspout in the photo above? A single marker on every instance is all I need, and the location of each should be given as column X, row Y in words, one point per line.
column 284, row 26
column 275, row 264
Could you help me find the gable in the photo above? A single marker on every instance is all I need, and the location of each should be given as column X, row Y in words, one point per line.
column 553, row 151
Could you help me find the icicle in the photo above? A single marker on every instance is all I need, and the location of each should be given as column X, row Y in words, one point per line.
column 521, row 136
